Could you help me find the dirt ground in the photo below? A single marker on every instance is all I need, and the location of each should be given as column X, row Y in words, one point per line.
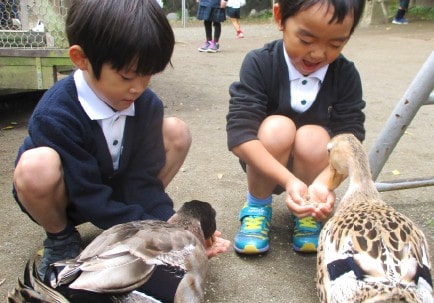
column 196, row 90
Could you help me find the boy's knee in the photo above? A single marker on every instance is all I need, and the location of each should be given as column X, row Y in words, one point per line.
column 37, row 167
column 278, row 131
column 311, row 142
column 278, row 122
column 176, row 133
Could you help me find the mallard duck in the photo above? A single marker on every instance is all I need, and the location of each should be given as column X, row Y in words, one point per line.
column 368, row 252
column 128, row 257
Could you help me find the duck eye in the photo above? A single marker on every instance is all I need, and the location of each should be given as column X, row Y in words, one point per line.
column 329, row 146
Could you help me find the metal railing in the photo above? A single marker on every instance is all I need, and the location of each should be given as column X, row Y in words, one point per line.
column 419, row 93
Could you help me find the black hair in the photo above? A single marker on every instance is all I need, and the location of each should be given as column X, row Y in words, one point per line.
column 124, row 33
column 342, row 8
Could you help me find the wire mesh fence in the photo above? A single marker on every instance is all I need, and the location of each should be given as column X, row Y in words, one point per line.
column 33, row 23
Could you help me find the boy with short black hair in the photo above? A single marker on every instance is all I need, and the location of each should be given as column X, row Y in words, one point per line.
column 99, row 149
column 293, row 95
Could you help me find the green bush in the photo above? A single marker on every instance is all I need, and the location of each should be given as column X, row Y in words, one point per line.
column 421, row 13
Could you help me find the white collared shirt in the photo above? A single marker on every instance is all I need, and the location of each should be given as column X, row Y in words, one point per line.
column 112, row 122
column 303, row 89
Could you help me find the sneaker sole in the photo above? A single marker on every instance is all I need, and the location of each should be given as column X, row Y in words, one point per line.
column 306, row 248
column 251, row 250
column 400, row 23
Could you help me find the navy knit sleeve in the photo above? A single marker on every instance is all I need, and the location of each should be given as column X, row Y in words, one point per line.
column 347, row 114
column 248, row 99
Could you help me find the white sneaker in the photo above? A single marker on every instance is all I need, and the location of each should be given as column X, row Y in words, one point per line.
column 400, row 21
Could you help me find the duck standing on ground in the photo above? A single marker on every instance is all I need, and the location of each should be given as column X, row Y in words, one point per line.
column 368, row 252
column 140, row 257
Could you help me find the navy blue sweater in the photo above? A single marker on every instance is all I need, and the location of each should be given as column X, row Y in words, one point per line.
column 96, row 192
column 264, row 89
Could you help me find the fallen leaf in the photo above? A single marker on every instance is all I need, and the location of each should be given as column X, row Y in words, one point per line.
column 396, row 172
column 8, row 127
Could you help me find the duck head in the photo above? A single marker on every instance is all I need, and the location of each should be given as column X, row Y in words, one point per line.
column 199, row 217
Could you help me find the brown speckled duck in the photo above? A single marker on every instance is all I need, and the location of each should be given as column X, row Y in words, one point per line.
column 134, row 258
column 368, row 252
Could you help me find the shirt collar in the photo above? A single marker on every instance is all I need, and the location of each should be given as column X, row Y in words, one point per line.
column 295, row 74
column 94, row 107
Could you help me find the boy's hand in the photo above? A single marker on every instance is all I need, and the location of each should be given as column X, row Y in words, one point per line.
column 296, row 193
column 223, row 3
column 323, row 199
column 219, row 245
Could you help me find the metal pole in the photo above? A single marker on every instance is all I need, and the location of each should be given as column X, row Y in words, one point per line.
column 404, row 184
column 183, row 13
column 416, row 95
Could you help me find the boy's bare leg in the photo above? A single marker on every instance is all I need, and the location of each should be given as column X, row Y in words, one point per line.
column 40, row 187
column 177, row 142
column 38, row 180
column 310, row 152
column 277, row 134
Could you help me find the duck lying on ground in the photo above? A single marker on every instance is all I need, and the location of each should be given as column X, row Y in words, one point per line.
column 139, row 257
column 368, row 252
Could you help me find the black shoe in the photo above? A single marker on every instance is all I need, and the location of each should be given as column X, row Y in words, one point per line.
column 57, row 250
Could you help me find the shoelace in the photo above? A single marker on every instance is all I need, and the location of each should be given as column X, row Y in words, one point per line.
column 253, row 222
column 307, row 222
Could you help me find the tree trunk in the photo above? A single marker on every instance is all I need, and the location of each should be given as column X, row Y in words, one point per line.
column 376, row 12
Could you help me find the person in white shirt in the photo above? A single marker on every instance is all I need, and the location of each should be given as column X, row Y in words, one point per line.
column 233, row 9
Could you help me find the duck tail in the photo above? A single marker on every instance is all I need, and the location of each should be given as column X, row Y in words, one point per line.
column 32, row 289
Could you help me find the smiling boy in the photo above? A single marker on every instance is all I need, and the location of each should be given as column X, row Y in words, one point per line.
column 293, row 95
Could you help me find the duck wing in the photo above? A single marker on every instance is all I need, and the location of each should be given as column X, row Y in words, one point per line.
column 123, row 257
column 368, row 250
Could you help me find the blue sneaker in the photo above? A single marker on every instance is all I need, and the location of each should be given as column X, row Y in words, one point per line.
column 255, row 226
column 306, row 233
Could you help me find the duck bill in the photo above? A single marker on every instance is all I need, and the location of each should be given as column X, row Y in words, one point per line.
column 210, row 241
column 335, row 179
